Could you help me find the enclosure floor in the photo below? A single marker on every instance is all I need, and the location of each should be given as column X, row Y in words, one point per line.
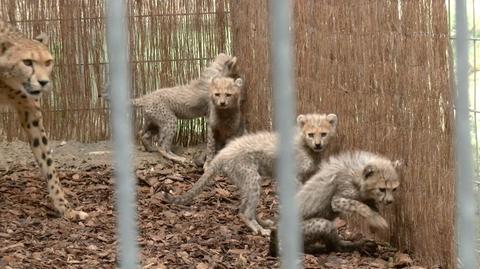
column 209, row 234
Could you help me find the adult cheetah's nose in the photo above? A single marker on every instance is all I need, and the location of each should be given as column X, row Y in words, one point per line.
column 43, row 82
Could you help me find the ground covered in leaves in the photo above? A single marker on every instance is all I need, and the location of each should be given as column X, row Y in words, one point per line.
column 208, row 234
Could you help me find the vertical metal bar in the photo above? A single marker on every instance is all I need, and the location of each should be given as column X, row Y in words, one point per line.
column 475, row 114
column 465, row 228
column 117, row 41
column 284, row 104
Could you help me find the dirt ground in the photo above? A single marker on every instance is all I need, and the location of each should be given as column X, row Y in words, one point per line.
column 208, row 234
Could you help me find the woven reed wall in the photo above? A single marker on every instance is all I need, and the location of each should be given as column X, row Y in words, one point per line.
column 171, row 40
column 383, row 67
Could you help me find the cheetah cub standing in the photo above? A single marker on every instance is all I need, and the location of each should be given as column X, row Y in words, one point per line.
column 351, row 182
column 164, row 106
column 246, row 159
column 225, row 120
column 25, row 67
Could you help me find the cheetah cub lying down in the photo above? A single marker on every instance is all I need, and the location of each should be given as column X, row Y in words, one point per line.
column 351, row 182
column 225, row 120
column 246, row 159
column 25, row 67
column 164, row 106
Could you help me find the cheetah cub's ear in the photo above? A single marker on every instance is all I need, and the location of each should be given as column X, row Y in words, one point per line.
column 214, row 79
column 42, row 38
column 232, row 62
column 301, row 119
column 368, row 171
column 239, row 82
column 398, row 164
column 332, row 119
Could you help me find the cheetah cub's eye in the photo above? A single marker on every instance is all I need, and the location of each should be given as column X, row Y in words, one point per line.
column 228, row 94
column 394, row 189
column 217, row 94
column 310, row 135
column 382, row 189
column 323, row 134
column 28, row 62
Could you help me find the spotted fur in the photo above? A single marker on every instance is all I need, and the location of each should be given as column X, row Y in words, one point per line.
column 225, row 120
column 164, row 106
column 246, row 159
column 351, row 182
column 25, row 68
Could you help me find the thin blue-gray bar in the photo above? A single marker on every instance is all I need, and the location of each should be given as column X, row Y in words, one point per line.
column 117, row 41
column 284, row 118
column 465, row 221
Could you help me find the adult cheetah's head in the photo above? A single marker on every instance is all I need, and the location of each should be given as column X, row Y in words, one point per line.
column 26, row 65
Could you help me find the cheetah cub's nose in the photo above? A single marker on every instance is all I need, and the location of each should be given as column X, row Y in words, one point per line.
column 43, row 82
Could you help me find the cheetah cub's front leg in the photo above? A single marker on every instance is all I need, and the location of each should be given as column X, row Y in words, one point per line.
column 31, row 120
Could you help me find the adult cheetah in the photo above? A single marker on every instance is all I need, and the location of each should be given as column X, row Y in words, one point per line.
column 25, row 67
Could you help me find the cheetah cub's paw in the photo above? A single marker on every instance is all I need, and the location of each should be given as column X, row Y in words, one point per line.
column 71, row 214
column 377, row 222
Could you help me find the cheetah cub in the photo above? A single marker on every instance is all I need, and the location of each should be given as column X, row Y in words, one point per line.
column 246, row 159
column 25, row 68
column 225, row 120
column 351, row 182
column 164, row 106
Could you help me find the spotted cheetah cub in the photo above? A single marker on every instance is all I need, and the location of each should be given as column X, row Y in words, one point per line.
column 225, row 120
column 25, row 68
column 246, row 159
column 164, row 106
column 351, row 182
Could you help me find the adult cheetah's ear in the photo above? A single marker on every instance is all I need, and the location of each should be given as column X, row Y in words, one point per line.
column 368, row 171
column 4, row 46
column 239, row 82
column 332, row 119
column 42, row 38
column 301, row 119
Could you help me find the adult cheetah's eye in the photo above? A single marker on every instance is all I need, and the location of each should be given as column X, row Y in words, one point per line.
column 382, row 189
column 323, row 134
column 48, row 63
column 28, row 62
column 310, row 135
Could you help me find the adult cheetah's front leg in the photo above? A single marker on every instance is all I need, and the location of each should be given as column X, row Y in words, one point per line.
column 31, row 120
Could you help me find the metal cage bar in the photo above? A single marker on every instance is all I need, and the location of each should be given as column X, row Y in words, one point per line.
column 284, row 104
column 117, row 41
column 465, row 219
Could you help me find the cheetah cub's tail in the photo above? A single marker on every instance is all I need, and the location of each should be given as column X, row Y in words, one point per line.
column 198, row 187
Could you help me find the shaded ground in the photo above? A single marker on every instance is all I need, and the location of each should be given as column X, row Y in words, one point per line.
column 208, row 234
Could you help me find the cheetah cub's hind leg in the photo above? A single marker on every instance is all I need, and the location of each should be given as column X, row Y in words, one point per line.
column 167, row 123
column 149, row 131
column 31, row 121
column 250, row 195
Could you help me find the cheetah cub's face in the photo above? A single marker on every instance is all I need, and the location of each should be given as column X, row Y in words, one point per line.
column 317, row 129
column 26, row 65
column 225, row 92
column 380, row 180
